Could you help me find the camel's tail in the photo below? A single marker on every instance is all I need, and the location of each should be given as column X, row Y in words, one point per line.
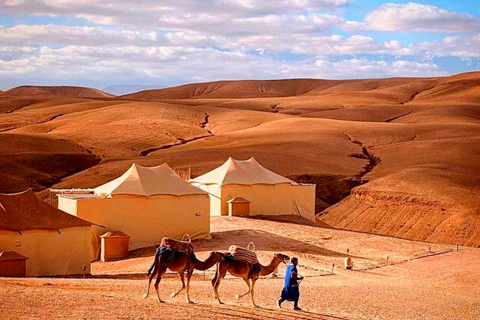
column 158, row 253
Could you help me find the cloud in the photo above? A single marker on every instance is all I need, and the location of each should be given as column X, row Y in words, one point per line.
column 175, row 64
column 365, row 68
column 415, row 17
column 38, row 34
column 451, row 46
column 178, row 41
column 140, row 12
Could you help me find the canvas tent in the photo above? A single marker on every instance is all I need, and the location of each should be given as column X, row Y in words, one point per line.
column 268, row 192
column 147, row 203
column 54, row 242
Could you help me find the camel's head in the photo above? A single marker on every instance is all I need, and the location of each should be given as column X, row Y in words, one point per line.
column 282, row 257
column 217, row 255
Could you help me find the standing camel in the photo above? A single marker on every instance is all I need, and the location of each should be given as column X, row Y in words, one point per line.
column 247, row 271
column 178, row 261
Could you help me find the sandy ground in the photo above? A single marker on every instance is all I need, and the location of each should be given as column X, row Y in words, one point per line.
column 419, row 281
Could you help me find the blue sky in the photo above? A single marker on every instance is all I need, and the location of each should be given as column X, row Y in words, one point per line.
column 170, row 42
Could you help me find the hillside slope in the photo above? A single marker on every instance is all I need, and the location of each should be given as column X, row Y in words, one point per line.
column 60, row 91
column 412, row 143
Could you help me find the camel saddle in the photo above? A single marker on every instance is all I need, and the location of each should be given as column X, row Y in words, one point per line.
column 178, row 245
column 244, row 254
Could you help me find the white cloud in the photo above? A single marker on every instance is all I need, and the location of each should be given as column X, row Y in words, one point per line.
column 191, row 40
column 139, row 12
column 174, row 64
column 463, row 47
column 37, row 34
column 415, row 17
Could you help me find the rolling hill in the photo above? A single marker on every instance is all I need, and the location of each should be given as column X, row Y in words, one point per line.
column 409, row 147
column 60, row 91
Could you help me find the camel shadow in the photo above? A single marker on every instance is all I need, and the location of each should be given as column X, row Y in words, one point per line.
column 229, row 311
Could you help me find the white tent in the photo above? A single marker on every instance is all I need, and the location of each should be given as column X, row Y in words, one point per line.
column 269, row 192
column 146, row 203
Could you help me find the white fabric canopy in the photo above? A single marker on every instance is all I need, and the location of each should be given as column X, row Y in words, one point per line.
column 148, row 181
column 268, row 192
column 244, row 172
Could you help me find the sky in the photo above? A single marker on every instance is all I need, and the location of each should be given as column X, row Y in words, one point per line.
column 152, row 43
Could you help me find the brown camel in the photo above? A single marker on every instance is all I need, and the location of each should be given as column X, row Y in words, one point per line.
column 247, row 271
column 178, row 261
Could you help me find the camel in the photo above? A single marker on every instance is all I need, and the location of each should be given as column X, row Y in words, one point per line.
column 247, row 271
column 177, row 261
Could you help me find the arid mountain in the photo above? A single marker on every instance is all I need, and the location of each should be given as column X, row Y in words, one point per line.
column 409, row 147
column 58, row 91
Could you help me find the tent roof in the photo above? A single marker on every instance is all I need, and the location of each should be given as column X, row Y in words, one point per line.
column 116, row 234
column 148, row 181
column 11, row 255
column 24, row 211
column 239, row 200
column 245, row 172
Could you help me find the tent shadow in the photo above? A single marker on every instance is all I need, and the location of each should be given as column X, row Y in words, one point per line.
column 120, row 276
column 293, row 219
column 264, row 241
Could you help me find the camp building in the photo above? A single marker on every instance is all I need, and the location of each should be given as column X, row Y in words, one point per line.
column 51, row 241
column 145, row 203
column 264, row 191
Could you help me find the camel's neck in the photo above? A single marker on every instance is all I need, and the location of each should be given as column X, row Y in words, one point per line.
column 207, row 264
column 266, row 270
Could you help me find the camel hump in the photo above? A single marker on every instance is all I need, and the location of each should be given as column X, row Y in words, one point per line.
column 176, row 245
column 243, row 254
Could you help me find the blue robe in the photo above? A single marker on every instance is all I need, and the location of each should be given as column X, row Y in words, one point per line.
column 290, row 289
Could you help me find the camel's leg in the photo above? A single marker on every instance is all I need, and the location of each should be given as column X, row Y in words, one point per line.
column 157, row 282
column 214, row 280
column 182, row 278
column 247, row 281
column 252, row 292
column 187, row 293
column 150, row 278
column 221, row 272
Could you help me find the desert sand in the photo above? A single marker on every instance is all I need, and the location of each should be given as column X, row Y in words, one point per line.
column 418, row 281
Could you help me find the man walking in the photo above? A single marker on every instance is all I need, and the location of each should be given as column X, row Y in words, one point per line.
column 290, row 290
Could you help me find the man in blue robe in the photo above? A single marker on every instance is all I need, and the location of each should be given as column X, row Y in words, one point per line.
column 290, row 290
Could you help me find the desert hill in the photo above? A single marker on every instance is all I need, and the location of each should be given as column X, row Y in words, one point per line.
column 60, row 91
column 241, row 89
column 409, row 147
column 30, row 161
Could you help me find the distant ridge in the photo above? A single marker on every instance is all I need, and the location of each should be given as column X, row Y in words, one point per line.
column 234, row 89
column 61, row 91
column 404, row 88
column 270, row 88
column 122, row 89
